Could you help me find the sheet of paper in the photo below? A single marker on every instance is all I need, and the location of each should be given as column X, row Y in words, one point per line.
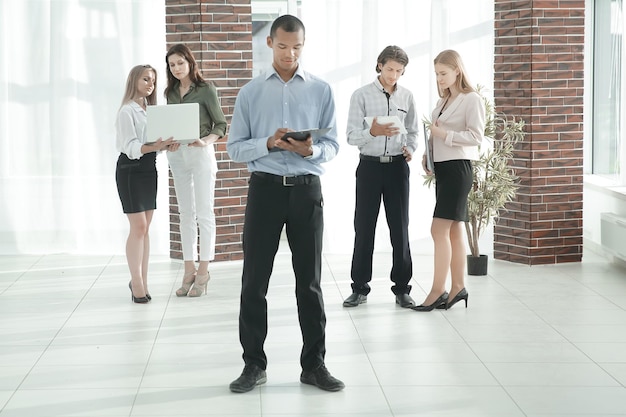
column 383, row 120
column 429, row 152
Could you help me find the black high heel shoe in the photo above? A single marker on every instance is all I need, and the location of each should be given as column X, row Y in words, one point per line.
column 441, row 301
column 461, row 295
column 138, row 300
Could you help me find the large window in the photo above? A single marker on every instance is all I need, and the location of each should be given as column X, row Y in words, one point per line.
column 263, row 14
column 608, row 118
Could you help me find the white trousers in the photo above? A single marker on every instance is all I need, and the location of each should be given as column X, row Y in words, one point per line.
column 194, row 171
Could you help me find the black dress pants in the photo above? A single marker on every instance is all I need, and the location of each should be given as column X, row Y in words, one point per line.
column 389, row 182
column 272, row 205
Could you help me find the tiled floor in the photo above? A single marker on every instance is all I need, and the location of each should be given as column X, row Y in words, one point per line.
column 535, row 341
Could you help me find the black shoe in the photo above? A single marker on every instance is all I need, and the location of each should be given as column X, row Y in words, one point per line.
column 251, row 376
column 322, row 379
column 354, row 300
column 461, row 295
column 441, row 301
column 138, row 300
column 404, row 300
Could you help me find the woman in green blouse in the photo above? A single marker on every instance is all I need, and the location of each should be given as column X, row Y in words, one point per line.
column 194, row 167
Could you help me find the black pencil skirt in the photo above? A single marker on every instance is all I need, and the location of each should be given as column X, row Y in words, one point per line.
column 452, row 186
column 137, row 182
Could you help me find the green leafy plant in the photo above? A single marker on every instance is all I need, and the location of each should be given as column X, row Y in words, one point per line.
column 494, row 183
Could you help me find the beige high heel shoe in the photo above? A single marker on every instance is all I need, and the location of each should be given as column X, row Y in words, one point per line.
column 199, row 286
column 188, row 280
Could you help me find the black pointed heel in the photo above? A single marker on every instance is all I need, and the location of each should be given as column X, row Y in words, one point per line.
column 441, row 301
column 461, row 295
column 138, row 300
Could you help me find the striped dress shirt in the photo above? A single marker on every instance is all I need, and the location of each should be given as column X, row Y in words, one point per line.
column 372, row 100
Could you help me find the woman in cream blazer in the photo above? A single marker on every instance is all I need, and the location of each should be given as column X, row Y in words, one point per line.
column 458, row 123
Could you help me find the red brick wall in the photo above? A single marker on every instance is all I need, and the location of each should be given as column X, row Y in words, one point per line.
column 539, row 77
column 219, row 32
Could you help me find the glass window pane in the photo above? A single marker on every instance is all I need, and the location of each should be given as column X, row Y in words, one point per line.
column 607, row 80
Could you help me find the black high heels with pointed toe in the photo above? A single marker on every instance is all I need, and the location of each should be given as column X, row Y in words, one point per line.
column 138, row 300
column 461, row 295
column 441, row 301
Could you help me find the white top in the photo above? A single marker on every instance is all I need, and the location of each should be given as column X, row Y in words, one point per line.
column 464, row 120
column 130, row 130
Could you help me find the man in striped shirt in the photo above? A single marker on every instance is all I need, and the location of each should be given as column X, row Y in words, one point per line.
column 385, row 149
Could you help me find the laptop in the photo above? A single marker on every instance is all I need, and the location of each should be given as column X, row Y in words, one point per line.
column 180, row 121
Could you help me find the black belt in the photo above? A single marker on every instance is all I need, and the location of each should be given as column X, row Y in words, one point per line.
column 381, row 159
column 286, row 181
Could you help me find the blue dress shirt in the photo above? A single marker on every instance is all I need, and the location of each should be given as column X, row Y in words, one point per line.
column 267, row 103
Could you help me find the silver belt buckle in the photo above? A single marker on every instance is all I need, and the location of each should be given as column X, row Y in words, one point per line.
column 286, row 184
column 386, row 159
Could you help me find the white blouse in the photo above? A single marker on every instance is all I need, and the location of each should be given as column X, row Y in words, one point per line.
column 130, row 128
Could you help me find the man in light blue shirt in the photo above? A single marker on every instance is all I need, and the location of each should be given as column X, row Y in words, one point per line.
column 284, row 189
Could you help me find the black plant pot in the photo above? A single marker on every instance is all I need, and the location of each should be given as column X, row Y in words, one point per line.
column 477, row 265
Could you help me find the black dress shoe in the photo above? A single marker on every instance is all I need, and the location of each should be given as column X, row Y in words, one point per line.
column 322, row 379
column 251, row 376
column 354, row 300
column 404, row 300
column 441, row 301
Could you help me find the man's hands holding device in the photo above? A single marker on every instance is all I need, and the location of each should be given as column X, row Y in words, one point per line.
column 294, row 143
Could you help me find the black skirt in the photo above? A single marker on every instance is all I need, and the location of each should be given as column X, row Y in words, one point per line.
column 137, row 182
column 452, row 186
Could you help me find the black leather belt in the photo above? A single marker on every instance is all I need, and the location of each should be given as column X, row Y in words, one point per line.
column 381, row 159
column 286, row 181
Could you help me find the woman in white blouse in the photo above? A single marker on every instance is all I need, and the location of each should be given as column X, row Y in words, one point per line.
column 458, row 124
column 136, row 174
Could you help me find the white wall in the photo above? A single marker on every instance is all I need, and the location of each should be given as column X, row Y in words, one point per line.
column 600, row 197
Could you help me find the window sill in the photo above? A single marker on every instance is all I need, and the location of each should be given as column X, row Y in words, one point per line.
column 605, row 186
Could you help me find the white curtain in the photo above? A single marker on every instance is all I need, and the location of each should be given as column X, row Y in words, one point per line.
column 63, row 67
column 343, row 40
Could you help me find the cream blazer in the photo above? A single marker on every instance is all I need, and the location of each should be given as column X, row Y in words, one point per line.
column 464, row 120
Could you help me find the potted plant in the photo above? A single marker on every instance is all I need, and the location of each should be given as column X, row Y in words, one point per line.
column 495, row 182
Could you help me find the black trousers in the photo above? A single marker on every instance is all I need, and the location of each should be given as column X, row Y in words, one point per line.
column 272, row 205
column 389, row 182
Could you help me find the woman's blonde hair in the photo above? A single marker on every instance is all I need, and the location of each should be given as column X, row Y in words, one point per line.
column 452, row 59
column 131, row 84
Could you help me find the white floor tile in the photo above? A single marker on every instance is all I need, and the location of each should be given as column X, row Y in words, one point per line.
column 552, row 374
column 570, row 400
column 107, row 402
column 451, row 401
